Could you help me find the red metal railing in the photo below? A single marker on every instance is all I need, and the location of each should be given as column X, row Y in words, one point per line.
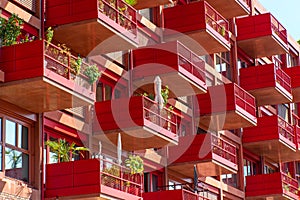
column 216, row 21
column 224, row 149
column 277, row 62
column 278, row 29
column 60, row 61
column 119, row 178
column 245, row 100
column 191, row 62
column 120, row 12
column 286, row 130
column 289, row 184
column 283, row 79
column 165, row 118
column 187, row 195
column 296, row 121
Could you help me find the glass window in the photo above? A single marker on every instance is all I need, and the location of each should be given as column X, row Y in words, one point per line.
column 16, row 147
column 10, row 132
column 0, row 129
column 16, row 164
column 22, row 137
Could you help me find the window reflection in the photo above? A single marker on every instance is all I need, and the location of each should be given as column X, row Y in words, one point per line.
column 10, row 132
column 16, row 164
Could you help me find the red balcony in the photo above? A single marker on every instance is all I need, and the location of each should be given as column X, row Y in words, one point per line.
column 39, row 78
column 212, row 155
column 201, row 23
column 231, row 8
column 294, row 73
column 142, row 4
column 269, row 84
column 94, row 178
column 97, row 26
column 272, row 137
column 178, row 67
column 173, row 194
column 226, row 107
column 271, row 186
column 261, row 35
column 141, row 124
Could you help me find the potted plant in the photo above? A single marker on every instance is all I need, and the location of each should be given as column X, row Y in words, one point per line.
column 10, row 30
column 92, row 72
column 63, row 150
column 131, row 2
column 136, row 165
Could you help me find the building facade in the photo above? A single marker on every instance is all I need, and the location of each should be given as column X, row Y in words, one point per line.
column 204, row 92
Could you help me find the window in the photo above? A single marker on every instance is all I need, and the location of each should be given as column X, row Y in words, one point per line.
column 106, row 92
column 223, row 64
column 229, row 179
column 147, row 13
column 283, row 111
column 152, row 181
column 249, row 167
column 16, row 148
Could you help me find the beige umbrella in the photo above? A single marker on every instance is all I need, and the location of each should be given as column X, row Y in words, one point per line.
column 157, row 92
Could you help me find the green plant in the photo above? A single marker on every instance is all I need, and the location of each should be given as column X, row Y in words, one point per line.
column 131, row 2
column 76, row 65
column 165, row 94
column 135, row 164
column 222, row 30
column 14, row 156
column 298, row 41
column 10, row 30
column 63, row 150
column 49, row 35
column 93, row 73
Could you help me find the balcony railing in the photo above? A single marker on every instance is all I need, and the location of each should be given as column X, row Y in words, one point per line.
column 28, row 4
column 165, row 118
column 120, row 12
column 191, row 62
column 60, row 61
column 286, row 130
column 278, row 29
column 289, row 184
column 283, row 79
column 119, row 178
column 93, row 177
column 224, row 149
column 216, row 21
column 245, row 100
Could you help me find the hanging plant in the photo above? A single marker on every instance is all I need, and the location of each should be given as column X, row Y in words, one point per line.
column 10, row 30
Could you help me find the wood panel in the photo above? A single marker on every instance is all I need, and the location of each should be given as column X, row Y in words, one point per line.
column 187, row 24
column 230, row 8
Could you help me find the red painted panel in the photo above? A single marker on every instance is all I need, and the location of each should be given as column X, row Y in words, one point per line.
column 171, row 194
column 257, row 77
column 194, row 17
column 194, row 148
column 267, row 125
column 70, row 11
column 64, row 168
column 294, row 73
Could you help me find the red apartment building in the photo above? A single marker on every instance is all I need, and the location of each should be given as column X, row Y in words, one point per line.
column 233, row 76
